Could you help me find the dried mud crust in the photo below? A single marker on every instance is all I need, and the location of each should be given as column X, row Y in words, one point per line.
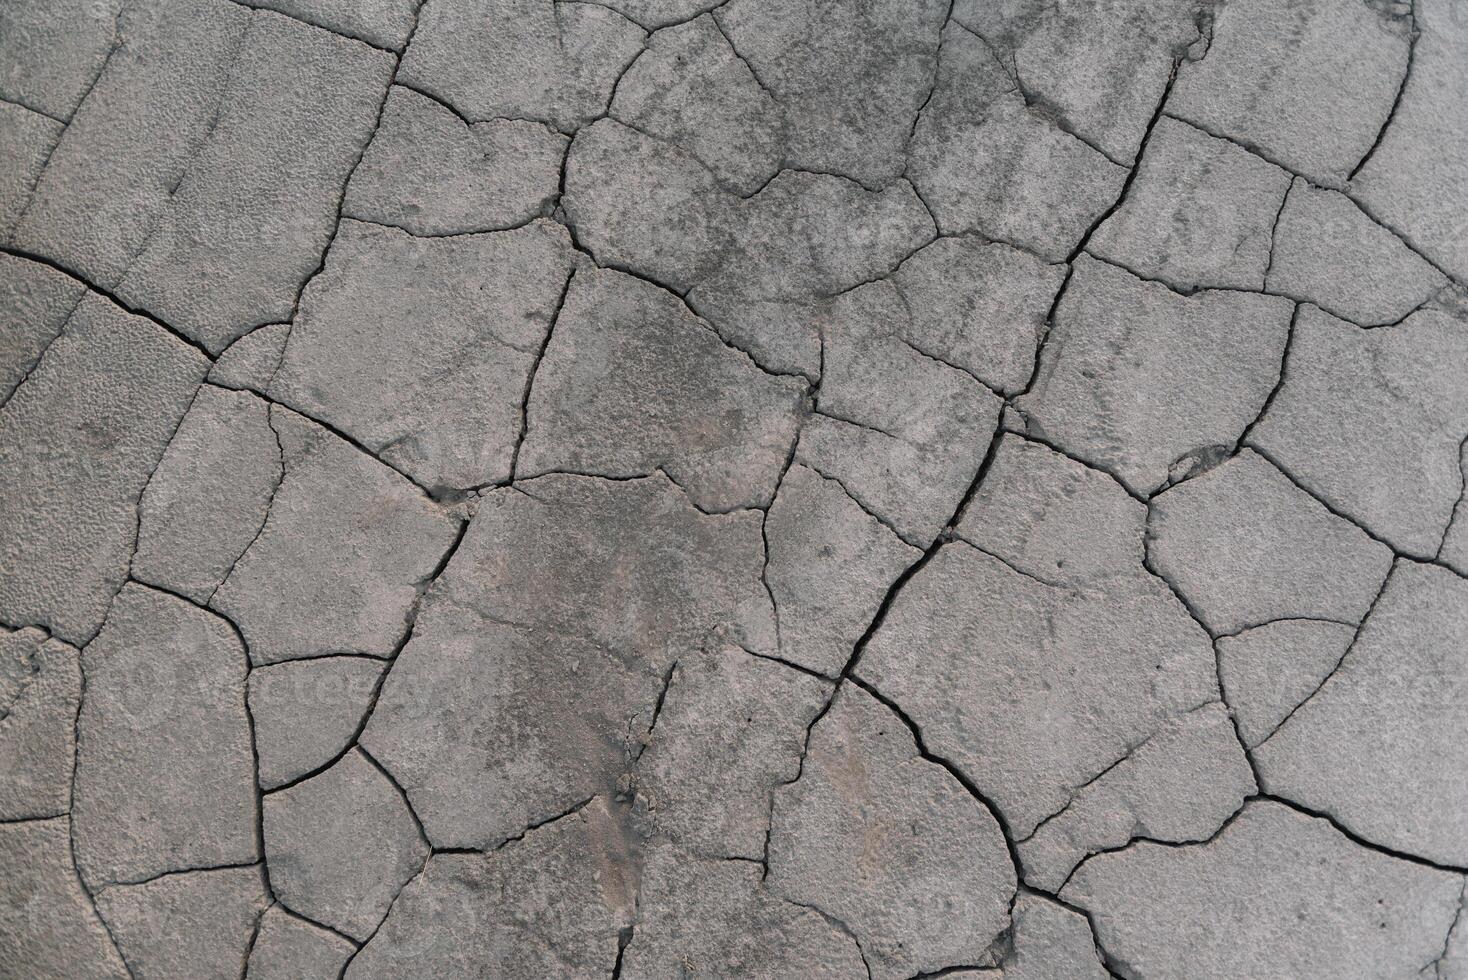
column 713, row 488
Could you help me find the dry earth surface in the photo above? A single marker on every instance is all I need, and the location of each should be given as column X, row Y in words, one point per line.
column 760, row 488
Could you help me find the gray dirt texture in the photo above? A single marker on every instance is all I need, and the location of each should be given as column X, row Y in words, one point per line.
column 665, row 489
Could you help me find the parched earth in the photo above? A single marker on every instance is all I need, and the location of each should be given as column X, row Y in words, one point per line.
column 761, row 488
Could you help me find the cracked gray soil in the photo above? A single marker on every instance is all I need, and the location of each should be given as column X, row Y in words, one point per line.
column 712, row 488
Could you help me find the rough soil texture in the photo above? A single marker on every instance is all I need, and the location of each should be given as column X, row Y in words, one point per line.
column 733, row 488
